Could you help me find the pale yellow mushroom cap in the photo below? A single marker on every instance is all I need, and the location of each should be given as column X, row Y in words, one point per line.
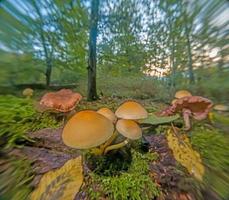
column 173, row 101
column 182, row 93
column 28, row 92
column 221, row 107
column 106, row 112
column 129, row 129
column 131, row 110
column 87, row 129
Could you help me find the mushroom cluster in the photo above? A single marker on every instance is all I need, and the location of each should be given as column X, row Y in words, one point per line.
column 98, row 129
column 196, row 107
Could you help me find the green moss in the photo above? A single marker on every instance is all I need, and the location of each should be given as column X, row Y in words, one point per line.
column 220, row 118
column 214, row 149
column 133, row 184
column 18, row 117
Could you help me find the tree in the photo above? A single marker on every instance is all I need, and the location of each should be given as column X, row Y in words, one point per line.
column 47, row 47
column 92, row 92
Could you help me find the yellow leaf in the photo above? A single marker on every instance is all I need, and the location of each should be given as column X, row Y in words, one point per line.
column 185, row 154
column 60, row 184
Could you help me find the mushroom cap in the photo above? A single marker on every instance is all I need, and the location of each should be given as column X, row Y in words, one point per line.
column 129, row 129
column 87, row 129
column 221, row 107
column 198, row 106
column 131, row 110
column 28, row 92
column 182, row 93
column 173, row 101
column 63, row 101
column 106, row 112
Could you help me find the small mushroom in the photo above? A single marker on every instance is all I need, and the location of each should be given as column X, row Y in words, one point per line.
column 28, row 92
column 106, row 112
column 87, row 129
column 62, row 101
column 221, row 108
column 173, row 101
column 131, row 110
column 129, row 129
column 182, row 93
column 190, row 106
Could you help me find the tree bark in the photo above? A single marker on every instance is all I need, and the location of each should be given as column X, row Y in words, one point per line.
column 92, row 92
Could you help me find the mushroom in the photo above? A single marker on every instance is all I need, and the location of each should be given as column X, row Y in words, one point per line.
column 28, row 92
column 129, row 129
column 182, row 93
column 221, row 108
column 190, row 106
column 106, row 112
column 62, row 101
column 173, row 101
column 87, row 129
column 131, row 110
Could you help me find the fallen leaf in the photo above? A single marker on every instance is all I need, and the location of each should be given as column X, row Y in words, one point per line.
column 63, row 183
column 185, row 154
column 154, row 119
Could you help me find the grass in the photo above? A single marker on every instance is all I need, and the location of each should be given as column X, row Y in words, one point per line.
column 18, row 117
column 214, row 149
column 15, row 176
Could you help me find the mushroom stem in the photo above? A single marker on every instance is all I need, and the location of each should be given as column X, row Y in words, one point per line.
column 116, row 146
column 108, row 142
column 186, row 116
column 96, row 151
column 211, row 117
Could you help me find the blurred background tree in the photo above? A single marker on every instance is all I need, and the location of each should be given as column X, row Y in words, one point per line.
column 155, row 45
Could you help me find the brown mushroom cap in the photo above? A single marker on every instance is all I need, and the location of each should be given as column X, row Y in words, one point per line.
column 131, row 110
column 129, row 129
column 63, row 101
column 190, row 106
column 28, row 92
column 106, row 112
column 221, row 107
column 87, row 129
column 197, row 105
column 182, row 93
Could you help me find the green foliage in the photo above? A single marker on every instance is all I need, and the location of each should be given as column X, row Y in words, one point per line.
column 214, row 149
column 212, row 84
column 153, row 119
column 18, row 117
column 133, row 184
column 139, row 87
column 221, row 120
column 15, row 176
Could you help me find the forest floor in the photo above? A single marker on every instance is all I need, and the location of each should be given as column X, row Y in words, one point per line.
column 165, row 177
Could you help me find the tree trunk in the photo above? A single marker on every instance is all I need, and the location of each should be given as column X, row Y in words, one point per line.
column 92, row 93
column 190, row 68
column 48, row 72
column 173, row 75
column 47, row 54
